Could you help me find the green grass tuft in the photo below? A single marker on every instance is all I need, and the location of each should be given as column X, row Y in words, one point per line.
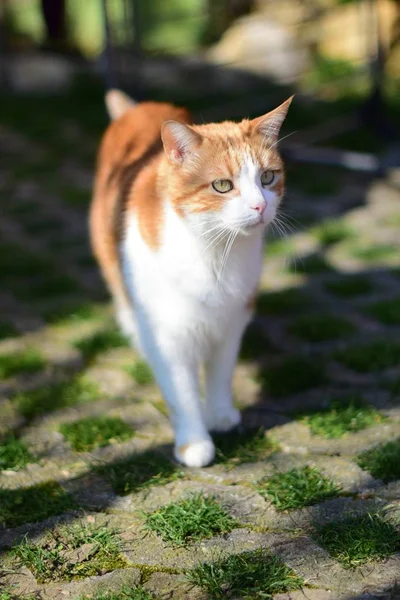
column 141, row 372
column 312, row 264
column 14, row 454
column 374, row 253
column 321, row 328
column 234, row 448
column 194, row 518
column 375, row 356
column 333, row 231
column 140, row 472
column 346, row 415
column 136, row 593
column 95, row 432
column 100, row 342
column 297, row 488
column 358, row 540
column 349, row 286
column 33, row 504
column 72, row 315
column 255, row 574
column 290, row 300
column 23, row 361
column 53, row 397
column 76, row 552
column 293, row 375
column 383, row 461
column 386, row 311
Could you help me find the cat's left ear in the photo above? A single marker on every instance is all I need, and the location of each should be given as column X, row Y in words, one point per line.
column 179, row 141
column 270, row 124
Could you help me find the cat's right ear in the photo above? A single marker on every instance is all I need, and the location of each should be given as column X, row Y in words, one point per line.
column 179, row 140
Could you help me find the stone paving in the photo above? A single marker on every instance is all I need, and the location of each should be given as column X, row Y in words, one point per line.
column 86, row 443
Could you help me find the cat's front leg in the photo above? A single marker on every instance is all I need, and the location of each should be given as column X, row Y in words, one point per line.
column 221, row 415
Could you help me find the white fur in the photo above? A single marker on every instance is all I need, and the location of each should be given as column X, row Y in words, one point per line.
column 190, row 309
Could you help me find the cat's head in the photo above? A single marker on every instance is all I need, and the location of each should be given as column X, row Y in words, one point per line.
column 227, row 174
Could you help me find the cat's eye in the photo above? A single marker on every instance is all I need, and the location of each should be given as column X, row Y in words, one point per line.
column 222, row 185
column 267, row 178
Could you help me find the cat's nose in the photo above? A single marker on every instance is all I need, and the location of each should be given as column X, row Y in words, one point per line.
column 259, row 206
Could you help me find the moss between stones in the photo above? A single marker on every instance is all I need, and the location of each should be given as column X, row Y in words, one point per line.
column 234, row 448
column 140, row 472
column 320, row 328
column 100, row 342
column 7, row 330
column 136, row 593
column 374, row 252
column 383, row 461
column 375, row 356
column 194, row 518
column 141, row 372
column 358, row 540
column 283, row 302
column 254, row 574
column 345, row 415
column 14, row 454
column 386, row 311
column 24, row 361
column 332, row 231
column 94, row 432
column 349, row 286
column 312, row 264
column 254, row 343
column 293, row 375
column 32, row 504
column 297, row 488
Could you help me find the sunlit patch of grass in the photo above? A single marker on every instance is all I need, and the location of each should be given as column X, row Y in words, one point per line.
column 322, row 327
column 345, row 415
column 22, row 361
column 359, row 540
column 383, row 461
column 141, row 372
column 293, row 375
column 290, row 300
column 76, row 552
column 71, row 315
column 14, row 454
column 234, row 448
column 194, row 518
column 374, row 252
column 375, row 356
column 255, row 574
column 77, row 390
column 312, row 264
column 36, row 503
column 297, row 488
column 280, row 248
column 332, row 231
column 100, row 342
column 386, row 311
column 140, row 472
column 349, row 286
column 95, row 432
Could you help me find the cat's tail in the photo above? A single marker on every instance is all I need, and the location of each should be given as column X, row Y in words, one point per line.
column 118, row 103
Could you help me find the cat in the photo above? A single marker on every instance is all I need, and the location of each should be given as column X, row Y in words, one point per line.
column 177, row 222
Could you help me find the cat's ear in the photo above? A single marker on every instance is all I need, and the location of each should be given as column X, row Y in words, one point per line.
column 270, row 124
column 179, row 141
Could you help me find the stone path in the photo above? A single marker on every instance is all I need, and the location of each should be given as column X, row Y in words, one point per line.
column 86, row 443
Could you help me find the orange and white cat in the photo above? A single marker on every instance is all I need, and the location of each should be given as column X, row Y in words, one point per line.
column 177, row 225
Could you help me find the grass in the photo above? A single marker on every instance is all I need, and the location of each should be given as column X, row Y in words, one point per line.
column 76, row 552
column 253, row 574
column 33, row 504
column 15, row 261
column 141, row 372
column 14, row 454
column 332, row 231
column 290, row 300
column 386, row 311
column 254, row 343
column 23, row 361
column 293, row 375
column 375, row 356
column 374, row 253
column 321, row 328
column 234, row 448
column 99, row 342
column 140, row 472
column 383, row 461
column 312, row 264
column 349, row 286
column 359, row 540
column 326, row 181
column 94, row 432
column 7, row 330
column 53, row 285
column 342, row 416
column 194, row 518
column 297, row 488
column 136, row 593
column 56, row 396
column 72, row 315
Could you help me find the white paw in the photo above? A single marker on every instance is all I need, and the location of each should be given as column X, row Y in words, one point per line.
column 197, row 454
column 224, row 421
